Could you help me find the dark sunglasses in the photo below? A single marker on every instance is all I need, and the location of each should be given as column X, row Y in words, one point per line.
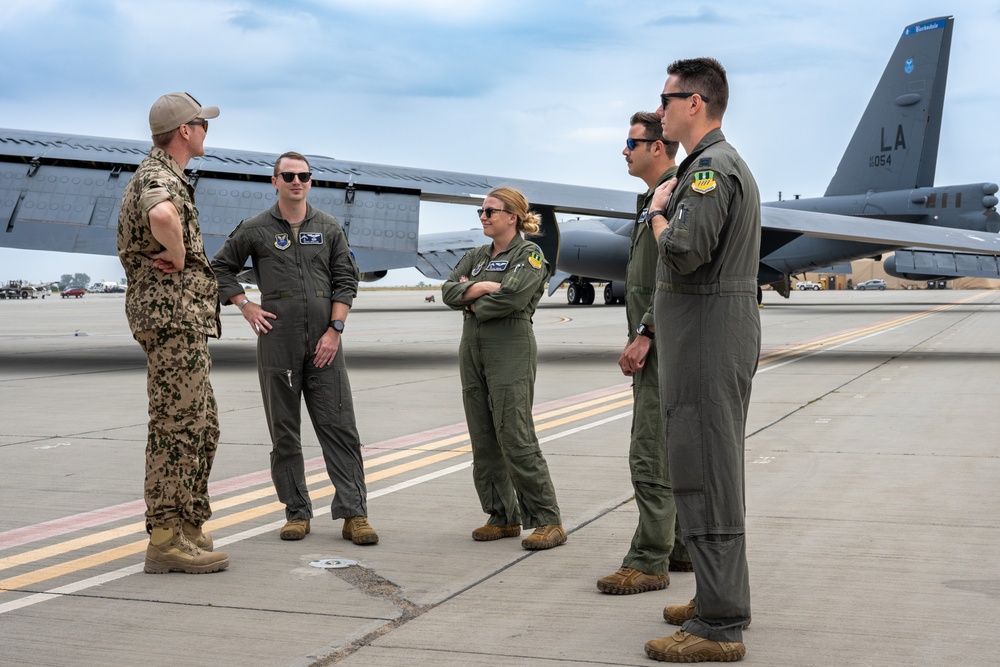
column 289, row 176
column 665, row 97
column 489, row 212
column 630, row 142
column 199, row 121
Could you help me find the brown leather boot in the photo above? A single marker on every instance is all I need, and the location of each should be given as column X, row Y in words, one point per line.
column 170, row 551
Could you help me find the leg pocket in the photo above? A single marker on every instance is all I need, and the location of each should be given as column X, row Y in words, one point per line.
column 685, row 448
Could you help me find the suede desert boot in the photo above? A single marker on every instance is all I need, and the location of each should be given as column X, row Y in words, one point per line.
column 170, row 550
column 198, row 537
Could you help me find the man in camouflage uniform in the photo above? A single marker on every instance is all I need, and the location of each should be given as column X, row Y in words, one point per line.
column 308, row 281
column 707, row 226
column 172, row 307
column 656, row 545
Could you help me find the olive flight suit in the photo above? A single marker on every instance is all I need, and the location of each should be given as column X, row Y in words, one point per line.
column 300, row 275
column 171, row 316
column 497, row 365
column 656, row 540
column 708, row 341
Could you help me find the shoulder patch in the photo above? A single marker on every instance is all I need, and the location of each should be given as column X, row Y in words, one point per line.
column 705, row 162
column 704, row 182
column 535, row 259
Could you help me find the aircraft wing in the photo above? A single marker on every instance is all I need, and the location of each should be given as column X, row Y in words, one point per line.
column 63, row 192
column 886, row 233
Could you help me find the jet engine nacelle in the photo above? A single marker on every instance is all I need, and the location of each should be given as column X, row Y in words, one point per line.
column 372, row 276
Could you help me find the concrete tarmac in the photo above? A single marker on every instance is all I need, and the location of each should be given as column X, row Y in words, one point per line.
column 872, row 508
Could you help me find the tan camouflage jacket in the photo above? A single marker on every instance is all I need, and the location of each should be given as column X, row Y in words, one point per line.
column 187, row 300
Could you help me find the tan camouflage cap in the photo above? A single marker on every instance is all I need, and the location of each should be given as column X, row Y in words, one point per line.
column 174, row 109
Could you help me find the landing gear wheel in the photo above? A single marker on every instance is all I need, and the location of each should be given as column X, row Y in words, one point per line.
column 587, row 298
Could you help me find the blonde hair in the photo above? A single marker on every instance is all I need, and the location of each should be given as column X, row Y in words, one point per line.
column 514, row 202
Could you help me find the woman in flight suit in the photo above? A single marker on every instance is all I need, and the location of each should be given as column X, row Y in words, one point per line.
column 497, row 286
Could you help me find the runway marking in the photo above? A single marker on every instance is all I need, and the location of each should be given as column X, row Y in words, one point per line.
column 572, row 407
column 776, row 358
column 547, row 420
column 136, row 547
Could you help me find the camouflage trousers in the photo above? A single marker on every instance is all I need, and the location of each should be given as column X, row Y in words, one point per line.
column 183, row 425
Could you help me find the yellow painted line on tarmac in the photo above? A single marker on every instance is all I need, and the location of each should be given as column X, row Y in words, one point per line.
column 123, row 551
column 774, row 356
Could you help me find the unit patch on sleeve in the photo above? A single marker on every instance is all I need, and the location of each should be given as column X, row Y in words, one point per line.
column 310, row 238
column 281, row 242
column 535, row 259
column 497, row 265
column 704, row 182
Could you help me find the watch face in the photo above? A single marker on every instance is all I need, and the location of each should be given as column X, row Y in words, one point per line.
column 337, row 325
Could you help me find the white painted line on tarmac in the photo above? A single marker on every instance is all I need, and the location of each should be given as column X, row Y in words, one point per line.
column 108, row 577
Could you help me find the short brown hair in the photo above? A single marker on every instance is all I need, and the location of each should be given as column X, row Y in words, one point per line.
column 291, row 155
column 707, row 77
column 653, row 130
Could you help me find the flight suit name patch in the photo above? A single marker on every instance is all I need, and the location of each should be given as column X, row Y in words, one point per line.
column 497, row 265
column 310, row 238
column 281, row 242
column 704, row 182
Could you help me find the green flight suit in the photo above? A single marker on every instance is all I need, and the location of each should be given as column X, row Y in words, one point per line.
column 497, row 365
column 299, row 276
column 653, row 544
column 708, row 341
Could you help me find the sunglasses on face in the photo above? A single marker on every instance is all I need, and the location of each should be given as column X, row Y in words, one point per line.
column 199, row 121
column 665, row 97
column 488, row 212
column 289, row 176
column 630, row 143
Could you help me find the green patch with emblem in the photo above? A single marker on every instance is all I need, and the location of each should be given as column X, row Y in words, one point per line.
column 704, row 182
column 535, row 259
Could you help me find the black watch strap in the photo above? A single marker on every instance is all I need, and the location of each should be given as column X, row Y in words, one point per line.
column 643, row 330
column 337, row 325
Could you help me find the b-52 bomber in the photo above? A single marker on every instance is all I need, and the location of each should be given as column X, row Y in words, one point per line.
column 63, row 192
column 885, row 182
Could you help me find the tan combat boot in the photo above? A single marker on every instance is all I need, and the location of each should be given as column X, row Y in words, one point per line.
column 170, row 550
column 198, row 537
column 358, row 530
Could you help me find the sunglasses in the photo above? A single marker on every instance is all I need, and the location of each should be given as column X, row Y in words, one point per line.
column 199, row 121
column 630, row 143
column 488, row 212
column 665, row 97
column 289, row 176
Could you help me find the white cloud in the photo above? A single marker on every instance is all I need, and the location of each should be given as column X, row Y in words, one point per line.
column 537, row 90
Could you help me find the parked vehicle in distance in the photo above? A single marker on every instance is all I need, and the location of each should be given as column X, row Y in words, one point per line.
column 807, row 284
column 78, row 292
column 874, row 283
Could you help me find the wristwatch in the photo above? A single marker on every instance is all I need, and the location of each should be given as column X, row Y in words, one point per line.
column 643, row 330
column 337, row 325
column 653, row 214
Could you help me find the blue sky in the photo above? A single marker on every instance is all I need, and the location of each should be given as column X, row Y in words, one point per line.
column 526, row 89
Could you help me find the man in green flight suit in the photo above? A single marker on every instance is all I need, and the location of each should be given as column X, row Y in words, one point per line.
column 656, row 546
column 308, row 281
column 707, row 226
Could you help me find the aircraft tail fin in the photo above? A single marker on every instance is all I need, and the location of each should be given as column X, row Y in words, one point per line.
column 895, row 145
